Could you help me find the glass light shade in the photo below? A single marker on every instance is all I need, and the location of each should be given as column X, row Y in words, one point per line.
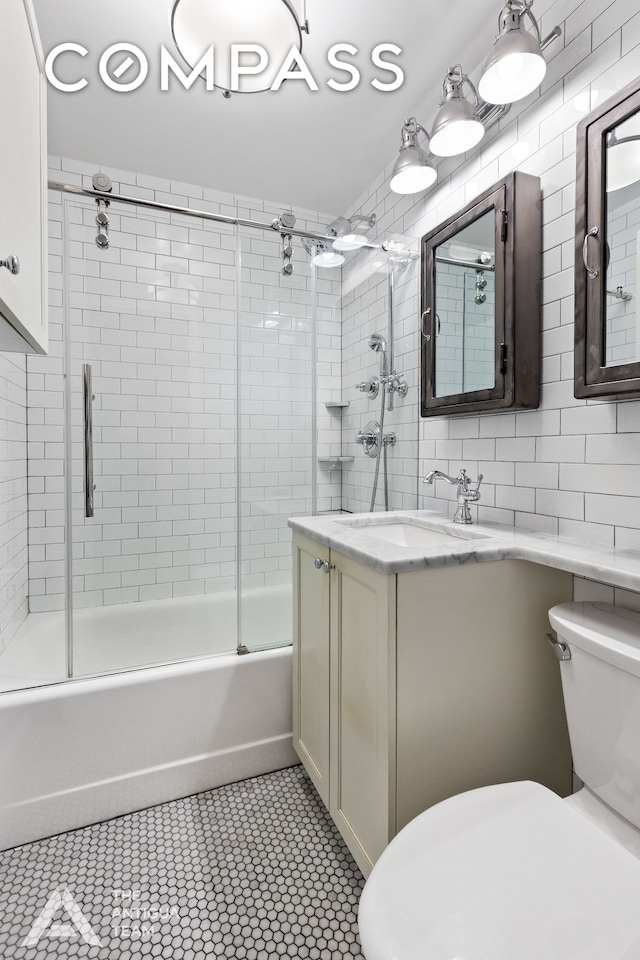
column 326, row 258
column 351, row 241
column 455, row 129
column 412, row 171
column 623, row 164
column 514, row 69
column 272, row 24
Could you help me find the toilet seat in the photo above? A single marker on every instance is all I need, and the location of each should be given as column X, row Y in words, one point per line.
column 507, row 872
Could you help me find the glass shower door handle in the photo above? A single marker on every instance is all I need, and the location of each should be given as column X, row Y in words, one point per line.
column 89, row 485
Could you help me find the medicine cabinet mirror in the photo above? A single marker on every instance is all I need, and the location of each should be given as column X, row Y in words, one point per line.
column 481, row 303
column 607, row 328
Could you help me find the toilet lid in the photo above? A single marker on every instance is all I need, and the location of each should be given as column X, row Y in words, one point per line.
column 508, row 872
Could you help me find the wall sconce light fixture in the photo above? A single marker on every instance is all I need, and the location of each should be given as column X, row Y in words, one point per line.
column 321, row 253
column 351, row 233
column 456, row 128
column 515, row 66
column 413, row 170
column 514, row 69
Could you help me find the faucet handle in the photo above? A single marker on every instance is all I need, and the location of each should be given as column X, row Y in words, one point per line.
column 479, row 481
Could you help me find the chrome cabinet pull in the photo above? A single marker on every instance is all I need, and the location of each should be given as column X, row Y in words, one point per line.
column 323, row 565
column 585, row 246
column 89, row 485
column 12, row 264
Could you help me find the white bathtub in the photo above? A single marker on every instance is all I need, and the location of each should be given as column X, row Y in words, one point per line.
column 127, row 635
column 85, row 750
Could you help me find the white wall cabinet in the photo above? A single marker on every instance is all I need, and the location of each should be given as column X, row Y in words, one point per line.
column 412, row 687
column 23, row 181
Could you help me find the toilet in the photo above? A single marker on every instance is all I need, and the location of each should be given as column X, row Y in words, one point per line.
column 513, row 872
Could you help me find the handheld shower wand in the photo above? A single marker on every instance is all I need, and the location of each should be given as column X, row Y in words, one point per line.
column 379, row 345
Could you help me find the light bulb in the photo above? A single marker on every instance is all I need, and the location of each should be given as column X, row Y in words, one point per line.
column 413, row 179
column 457, row 136
column 352, row 241
column 327, row 258
column 512, row 77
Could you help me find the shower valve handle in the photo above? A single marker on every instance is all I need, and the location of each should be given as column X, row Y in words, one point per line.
column 370, row 387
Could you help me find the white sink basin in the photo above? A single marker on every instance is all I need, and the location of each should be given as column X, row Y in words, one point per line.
column 412, row 533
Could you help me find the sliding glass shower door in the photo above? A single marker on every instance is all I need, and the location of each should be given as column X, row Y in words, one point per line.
column 189, row 405
column 277, row 429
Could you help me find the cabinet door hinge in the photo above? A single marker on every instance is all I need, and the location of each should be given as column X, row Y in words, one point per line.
column 503, row 227
column 503, row 358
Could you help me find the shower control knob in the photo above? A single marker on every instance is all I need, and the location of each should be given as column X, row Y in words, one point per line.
column 12, row 264
column 369, row 387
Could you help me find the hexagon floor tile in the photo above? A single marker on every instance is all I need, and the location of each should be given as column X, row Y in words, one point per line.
column 251, row 871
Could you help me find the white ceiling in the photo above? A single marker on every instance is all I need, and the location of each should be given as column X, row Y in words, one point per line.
column 317, row 150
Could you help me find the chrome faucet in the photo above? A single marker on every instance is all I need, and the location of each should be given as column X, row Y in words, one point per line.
column 466, row 494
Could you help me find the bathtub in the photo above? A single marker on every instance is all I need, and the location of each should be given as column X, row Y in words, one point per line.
column 85, row 750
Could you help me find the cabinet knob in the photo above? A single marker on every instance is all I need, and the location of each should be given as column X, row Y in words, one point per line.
column 12, row 264
column 323, row 565
column 318, row 563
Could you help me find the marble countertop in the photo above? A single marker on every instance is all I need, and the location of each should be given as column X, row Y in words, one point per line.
column 354, row 536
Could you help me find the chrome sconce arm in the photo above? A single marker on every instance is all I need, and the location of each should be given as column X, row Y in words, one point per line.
column 521, row 8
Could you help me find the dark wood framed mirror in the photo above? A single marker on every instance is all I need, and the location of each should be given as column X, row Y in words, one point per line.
column 607, row 319
column 481, row 303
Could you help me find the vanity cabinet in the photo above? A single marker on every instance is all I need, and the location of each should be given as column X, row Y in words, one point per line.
column 23, row 183
column 412, row 687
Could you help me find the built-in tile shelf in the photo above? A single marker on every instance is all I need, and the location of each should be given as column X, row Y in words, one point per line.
column 333, row 462
column 337, row 404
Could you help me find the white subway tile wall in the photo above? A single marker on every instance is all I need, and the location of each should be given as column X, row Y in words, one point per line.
column 365, row 310
column 156, row 317
column 14, row 560
column 570, row 466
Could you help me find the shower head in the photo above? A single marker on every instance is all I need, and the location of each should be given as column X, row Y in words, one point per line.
column 377, row 343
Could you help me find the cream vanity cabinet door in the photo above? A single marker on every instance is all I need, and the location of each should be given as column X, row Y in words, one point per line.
column 343, row 696
column 362, row 707
column 311, row 585
column 23, row 184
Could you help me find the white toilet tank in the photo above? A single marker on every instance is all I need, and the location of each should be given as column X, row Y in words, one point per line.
column 601, row 685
